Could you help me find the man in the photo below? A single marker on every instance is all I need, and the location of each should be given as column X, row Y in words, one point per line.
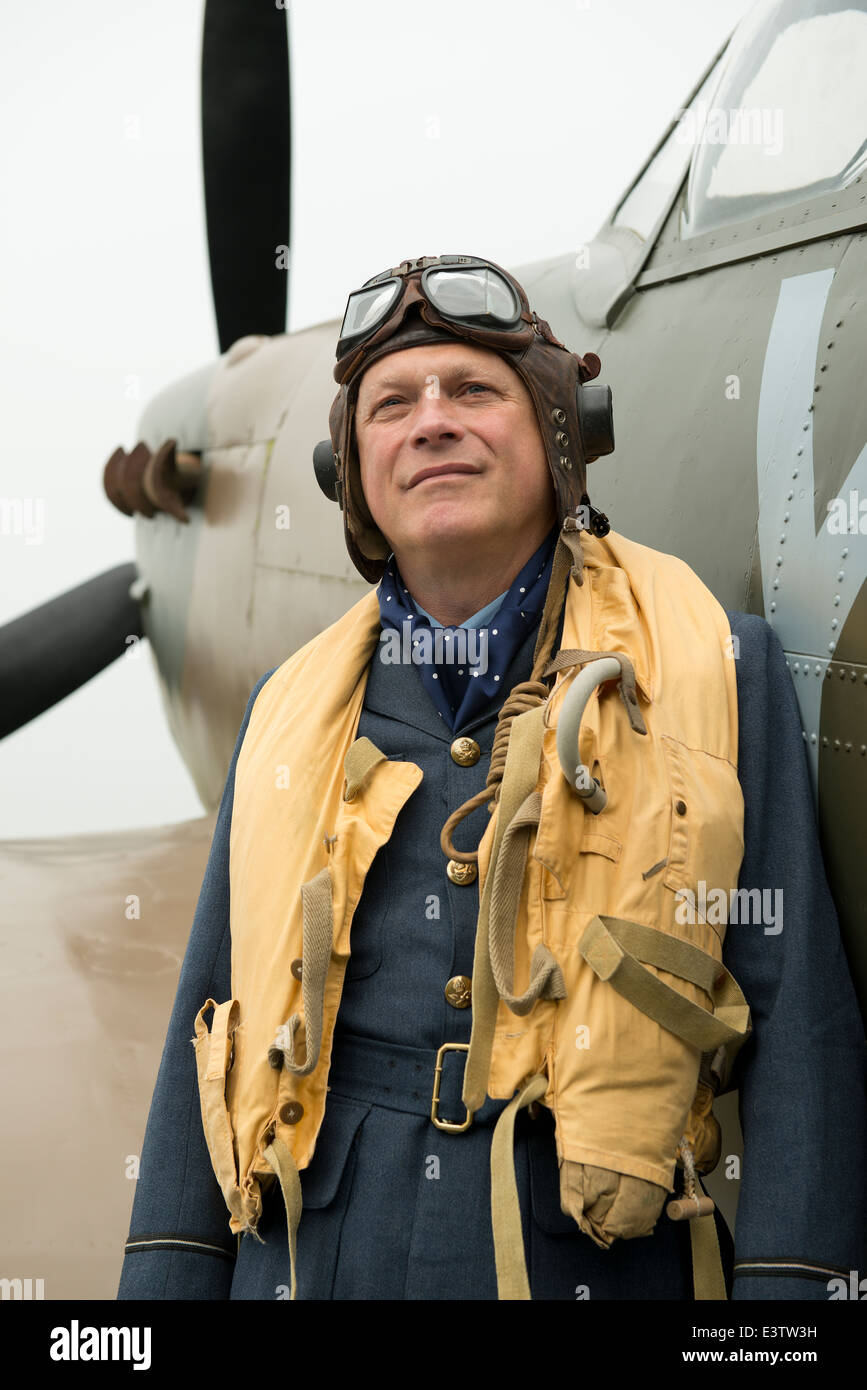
column 465, row 962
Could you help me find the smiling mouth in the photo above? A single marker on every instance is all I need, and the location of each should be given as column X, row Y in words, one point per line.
column 446, row 471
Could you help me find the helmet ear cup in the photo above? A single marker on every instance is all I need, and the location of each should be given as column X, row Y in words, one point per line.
column 325, row 468
column 596, row 420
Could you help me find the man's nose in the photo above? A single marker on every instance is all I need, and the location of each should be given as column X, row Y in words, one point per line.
column 434, row 420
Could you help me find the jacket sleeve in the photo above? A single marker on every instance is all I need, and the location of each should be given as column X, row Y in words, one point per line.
column 180, row 1245
column 801, row 1213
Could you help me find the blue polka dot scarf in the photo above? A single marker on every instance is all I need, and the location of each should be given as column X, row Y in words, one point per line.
column 463, row 668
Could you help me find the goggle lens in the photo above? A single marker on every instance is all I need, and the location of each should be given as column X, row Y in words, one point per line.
column 367, row 308
column 474, row 293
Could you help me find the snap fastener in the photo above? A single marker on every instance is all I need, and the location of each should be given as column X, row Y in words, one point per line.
column 562, row 439
column 291, row 1112
column 459, row 991
column 565, row 463
column 465, row 752
column 461, row 873
column 559, row 415
column 295, row 968
column 680, row 807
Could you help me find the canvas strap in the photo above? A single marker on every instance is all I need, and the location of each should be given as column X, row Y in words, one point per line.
column 512, row 1281
column 284, row 1166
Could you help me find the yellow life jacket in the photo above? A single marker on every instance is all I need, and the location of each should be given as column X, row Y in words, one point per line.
column 313, row 805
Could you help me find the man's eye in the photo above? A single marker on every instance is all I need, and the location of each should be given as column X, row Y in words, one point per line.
column 389, row 400
column 477, row 386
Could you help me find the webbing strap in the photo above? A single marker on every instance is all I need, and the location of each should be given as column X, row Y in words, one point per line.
column 362, row 757
column 568, row 562
column 223, row 1025
column 512, row 1281
column 284, row 1166
column 615, row 948
column 318, row 936
column 626, row 684
column 520, row 775
column 707, row 1271
column 213, row 1052
column 546, row 977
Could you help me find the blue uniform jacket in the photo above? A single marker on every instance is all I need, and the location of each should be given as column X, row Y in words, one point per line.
column 801, row 1218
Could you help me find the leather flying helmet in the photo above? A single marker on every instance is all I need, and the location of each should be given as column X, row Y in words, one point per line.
column 443, row 298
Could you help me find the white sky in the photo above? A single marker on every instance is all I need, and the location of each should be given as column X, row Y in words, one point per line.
column 507, row 129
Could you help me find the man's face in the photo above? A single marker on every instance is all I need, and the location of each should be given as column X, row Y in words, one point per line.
column 450, row 450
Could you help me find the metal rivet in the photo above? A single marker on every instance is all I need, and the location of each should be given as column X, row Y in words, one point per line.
column 562, row 439
column 559, row 415
column 565, row 463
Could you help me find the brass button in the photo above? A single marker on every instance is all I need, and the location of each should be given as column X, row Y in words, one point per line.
column 295, row 967
column 291, row 1112
column 680, row 807
column 461, row 873
column 465, row 752
column 458, row 992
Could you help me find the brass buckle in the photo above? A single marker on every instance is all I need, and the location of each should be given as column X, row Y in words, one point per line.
column 435, row 1099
